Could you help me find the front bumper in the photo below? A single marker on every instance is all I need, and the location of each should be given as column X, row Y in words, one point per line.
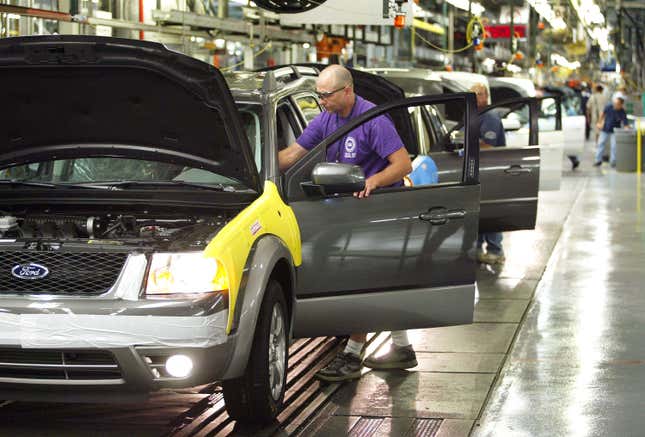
column 134, row 379
column 75, row 351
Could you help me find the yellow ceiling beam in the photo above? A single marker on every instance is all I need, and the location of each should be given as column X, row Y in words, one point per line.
column 428, row 27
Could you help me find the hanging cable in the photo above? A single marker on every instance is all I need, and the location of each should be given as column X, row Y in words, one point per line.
column 472, row 40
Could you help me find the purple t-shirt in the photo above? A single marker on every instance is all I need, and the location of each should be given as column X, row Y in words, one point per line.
column 367, row 146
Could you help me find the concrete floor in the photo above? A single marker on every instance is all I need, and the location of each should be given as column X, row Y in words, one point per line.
column 578, row 364
column 557, row 345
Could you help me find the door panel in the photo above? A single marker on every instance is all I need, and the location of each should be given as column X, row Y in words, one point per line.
column 405, row 309
column 357, row 245
column 381, row 246
column 400, row 248
column 509, row 177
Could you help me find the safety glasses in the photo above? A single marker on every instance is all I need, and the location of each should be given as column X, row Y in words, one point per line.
column 328, row 94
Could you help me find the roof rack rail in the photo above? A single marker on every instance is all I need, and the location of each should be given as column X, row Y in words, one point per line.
column 286, row 73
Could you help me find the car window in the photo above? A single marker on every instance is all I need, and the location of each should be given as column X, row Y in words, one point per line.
column 501, row 93
column 424, row 136
column 308, row 106
column 437, row 120
column 252, row 122
column 288, row 128
column 547, row 120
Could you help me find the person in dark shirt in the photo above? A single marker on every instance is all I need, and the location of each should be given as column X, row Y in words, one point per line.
column 613, row 116
column 491, row 134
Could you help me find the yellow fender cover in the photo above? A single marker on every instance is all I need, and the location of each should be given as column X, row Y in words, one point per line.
column 232, row 245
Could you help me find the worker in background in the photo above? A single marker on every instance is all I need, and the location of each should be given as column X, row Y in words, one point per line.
column 491, row 134
column 377, row 148
column 613, row 116
column 595, row 107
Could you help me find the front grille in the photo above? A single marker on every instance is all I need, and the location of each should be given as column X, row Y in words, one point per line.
column 70, row 273
column 74, row 365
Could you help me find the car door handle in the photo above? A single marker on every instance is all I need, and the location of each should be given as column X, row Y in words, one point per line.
column 441, row 216
column 517, row 170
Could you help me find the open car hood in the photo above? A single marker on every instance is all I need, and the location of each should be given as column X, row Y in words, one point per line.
column 65, row 97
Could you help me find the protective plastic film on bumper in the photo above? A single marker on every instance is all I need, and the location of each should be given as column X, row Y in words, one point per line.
column 111, row 331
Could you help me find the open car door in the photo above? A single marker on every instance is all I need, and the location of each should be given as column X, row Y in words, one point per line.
column 398, row 259
column 509, row 176
column 551, row 136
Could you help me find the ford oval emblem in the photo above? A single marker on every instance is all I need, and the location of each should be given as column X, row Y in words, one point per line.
column 29, row 271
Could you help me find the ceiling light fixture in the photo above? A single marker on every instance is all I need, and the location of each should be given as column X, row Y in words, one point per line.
column 543, row 8
column 475, row 8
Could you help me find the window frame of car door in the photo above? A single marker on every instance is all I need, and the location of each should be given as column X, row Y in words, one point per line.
column 298, row 110
column 532, row 103
column 293, row 118
column 470, row 169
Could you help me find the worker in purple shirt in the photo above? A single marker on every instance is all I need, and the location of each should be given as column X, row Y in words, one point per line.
column 376, row 147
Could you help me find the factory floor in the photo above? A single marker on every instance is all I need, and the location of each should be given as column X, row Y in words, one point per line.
column 557, row 347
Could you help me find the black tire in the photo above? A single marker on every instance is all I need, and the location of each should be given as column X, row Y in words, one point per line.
column 249, row 398
column 288, row 6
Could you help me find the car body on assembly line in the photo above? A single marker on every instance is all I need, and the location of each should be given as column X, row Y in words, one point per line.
column 149, row 240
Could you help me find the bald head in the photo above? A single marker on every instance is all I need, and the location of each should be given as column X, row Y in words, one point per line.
column 336, row 76
column 335, row 88
column 482, row 94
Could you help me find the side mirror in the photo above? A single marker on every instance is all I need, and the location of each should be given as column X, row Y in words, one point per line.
column 328, row 178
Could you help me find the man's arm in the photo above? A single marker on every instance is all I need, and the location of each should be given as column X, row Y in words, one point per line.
column 287, row 157
column 601, row 120
column 484, row 145
column 400, row 165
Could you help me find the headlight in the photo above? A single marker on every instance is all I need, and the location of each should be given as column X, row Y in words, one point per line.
column 185, row 273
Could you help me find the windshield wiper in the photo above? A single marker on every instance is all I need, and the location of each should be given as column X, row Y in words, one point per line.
column 134, row 183
column 27, row 183
column 19, row 182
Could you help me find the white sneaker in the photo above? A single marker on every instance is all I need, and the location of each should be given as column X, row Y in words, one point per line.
column 491, row 258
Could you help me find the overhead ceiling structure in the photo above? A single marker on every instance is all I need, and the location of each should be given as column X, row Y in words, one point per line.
column 628, row 20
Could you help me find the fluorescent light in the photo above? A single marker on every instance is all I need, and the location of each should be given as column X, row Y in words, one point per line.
column 475, row 8
column 563, row 62
column 593, row 21
column 543, row 8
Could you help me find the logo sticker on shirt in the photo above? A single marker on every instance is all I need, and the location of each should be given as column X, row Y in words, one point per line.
column 350, row 148
column 490, row 135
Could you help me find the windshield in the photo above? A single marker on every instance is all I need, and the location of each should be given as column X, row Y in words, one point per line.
column 108, row 169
